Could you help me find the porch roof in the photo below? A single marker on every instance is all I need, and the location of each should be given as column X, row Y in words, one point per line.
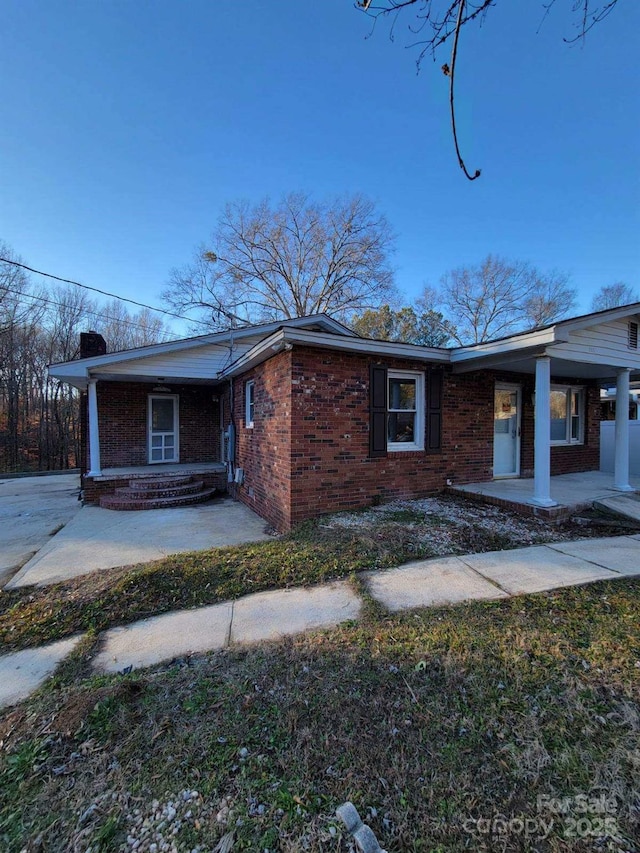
column 590, row 347
column 189, row 360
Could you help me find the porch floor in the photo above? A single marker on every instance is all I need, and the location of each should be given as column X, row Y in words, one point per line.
column 161, row 470
column 571, row 491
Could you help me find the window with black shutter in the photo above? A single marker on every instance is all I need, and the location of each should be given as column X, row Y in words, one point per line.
column 378, row 411
column 397, row 411
column 434, row 410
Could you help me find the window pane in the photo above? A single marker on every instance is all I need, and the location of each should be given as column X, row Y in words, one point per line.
column 168, row 441
column 576, row 406
column 156, row 441
column 575, row 428
column 401, row 427
column 162, row 415
column 156, row 455
column 558, row 416
column 168, row 453
column 402, row 394
column 249, row 391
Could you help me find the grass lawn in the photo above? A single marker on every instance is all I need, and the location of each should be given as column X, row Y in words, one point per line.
column 504, row 726
column 318, row 551
column 508, row 725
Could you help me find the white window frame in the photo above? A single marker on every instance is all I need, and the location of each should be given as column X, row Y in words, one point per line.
column 418, row 433
column 249, row 403
column 571, row 392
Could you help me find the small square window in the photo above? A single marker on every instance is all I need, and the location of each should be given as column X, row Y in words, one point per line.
column 249, row 403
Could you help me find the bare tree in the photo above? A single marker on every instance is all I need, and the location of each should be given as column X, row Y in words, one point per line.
column 292, row 259
column 551, row 299
column 499, row 297
column 432, row 23
column 123, row 329
column 14, row 288
column 612, row 295
column 39, row 416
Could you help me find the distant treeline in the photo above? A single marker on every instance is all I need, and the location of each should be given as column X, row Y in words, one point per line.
column 41, row 324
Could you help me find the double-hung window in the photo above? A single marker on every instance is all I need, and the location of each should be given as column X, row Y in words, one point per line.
column 405, row 410
column 567, row 414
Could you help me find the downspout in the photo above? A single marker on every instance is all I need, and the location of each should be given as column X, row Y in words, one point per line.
column 231, row 437
column 231, row 430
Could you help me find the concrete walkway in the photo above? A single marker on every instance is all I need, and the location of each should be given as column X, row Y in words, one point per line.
column 32, row 510
column 97, row 539
column 273, row 615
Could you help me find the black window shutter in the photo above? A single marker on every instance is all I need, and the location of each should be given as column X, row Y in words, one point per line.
column 434, row 410
column 377, row 411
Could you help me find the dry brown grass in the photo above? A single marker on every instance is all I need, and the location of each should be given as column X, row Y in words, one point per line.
column 428, row 722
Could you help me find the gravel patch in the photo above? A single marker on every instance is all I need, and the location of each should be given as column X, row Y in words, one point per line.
column 445, row 525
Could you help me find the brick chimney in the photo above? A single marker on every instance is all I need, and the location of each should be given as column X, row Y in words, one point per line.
column 91, row 343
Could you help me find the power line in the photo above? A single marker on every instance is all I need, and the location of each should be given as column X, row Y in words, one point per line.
column 81, row 310
column 102, row 292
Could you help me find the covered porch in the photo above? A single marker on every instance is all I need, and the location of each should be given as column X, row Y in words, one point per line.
column 572, row 493
column 551, row 374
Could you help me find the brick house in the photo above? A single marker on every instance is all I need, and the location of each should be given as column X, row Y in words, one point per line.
column 301, row 417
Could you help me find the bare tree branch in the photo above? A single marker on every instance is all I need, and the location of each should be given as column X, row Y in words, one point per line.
column 296, row 258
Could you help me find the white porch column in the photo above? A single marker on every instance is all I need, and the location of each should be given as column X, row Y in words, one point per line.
column 94, row 435
column 542, row 435
column 621, row 468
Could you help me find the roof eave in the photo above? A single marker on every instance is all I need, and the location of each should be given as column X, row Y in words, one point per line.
column 279, row 340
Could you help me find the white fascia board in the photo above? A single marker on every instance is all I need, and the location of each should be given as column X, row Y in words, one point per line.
column 275, row 343
column 508, row 346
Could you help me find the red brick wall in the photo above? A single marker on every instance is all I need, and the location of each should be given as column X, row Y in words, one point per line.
column 331, row 467
column 308, row 452
column 122, row 421
column 264, row 451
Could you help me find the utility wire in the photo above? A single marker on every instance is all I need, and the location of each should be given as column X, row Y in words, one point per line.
column 80, row 310
column 102, row 292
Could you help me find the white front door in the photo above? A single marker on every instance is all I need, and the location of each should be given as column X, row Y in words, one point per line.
column 506, row 430
column 163, row 428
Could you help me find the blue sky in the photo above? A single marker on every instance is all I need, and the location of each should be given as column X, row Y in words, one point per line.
column 127, row 125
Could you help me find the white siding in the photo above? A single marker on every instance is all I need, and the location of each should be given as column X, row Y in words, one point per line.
column 606, row 343
column 202, row 362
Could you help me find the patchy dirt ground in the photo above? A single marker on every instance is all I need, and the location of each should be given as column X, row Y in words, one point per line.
column 448, row 524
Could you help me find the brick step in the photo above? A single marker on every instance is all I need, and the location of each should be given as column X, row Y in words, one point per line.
column 122, row 502
column 159, row 490
column 160, row 482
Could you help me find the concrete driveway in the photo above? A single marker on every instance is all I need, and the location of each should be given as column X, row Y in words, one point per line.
column 95, row 539
column 32, row 510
